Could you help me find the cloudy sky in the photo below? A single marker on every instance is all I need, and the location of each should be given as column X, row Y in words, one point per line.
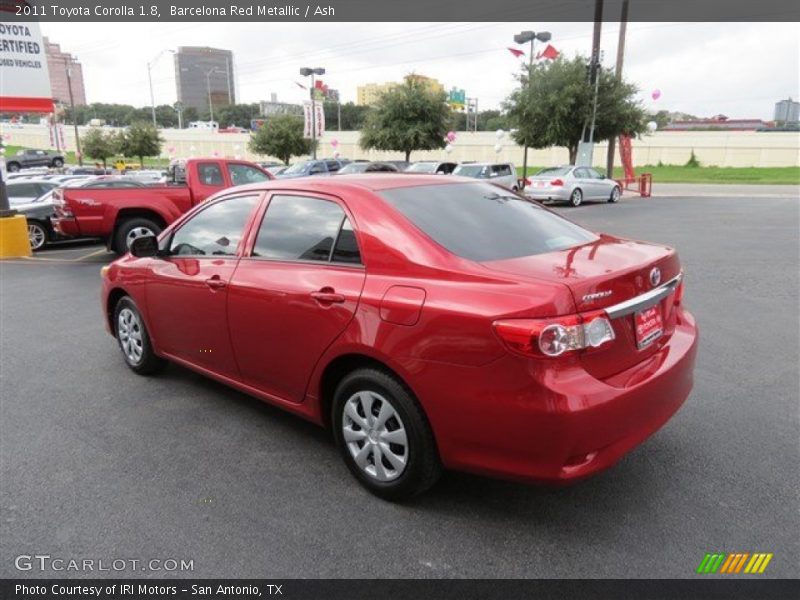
column 738, row 69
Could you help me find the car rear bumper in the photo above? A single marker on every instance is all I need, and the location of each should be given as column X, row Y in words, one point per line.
column 556, row 424
column 557, row 193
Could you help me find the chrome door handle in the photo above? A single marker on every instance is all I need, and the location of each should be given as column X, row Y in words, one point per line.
column 215, row 283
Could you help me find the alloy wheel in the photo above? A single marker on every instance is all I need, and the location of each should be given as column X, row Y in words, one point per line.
column 129, row 330
column 375, row 436
column 36, row 236
column 577, row 197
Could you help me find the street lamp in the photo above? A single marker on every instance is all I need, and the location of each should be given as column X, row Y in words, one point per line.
column 305, row 72
column 150, row 80
column 523, row 38
column 208, row 88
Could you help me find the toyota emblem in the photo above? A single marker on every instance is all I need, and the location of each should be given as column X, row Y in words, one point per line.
column 655, row 276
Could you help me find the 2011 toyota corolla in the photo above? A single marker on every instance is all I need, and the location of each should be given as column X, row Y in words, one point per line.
column 430, row 322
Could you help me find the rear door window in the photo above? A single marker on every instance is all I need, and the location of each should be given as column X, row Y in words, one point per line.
column 299, row 228
column 478, row 222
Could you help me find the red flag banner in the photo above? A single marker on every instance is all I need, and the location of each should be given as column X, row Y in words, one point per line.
column 549, row 52
column 516, row 52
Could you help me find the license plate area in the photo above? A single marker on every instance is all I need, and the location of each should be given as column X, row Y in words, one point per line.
column 648, row 325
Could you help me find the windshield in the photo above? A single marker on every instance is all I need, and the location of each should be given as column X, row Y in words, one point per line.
column 423, row 167
column 553, row 171
column 479, row 222
column 296, row 168
column 477, row 171
column 358, row 167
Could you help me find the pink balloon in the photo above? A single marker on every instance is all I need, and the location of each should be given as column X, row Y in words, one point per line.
column 451, row 136
column 171, row 149
column 334, row 142
column 656, row 94
column 215, row 153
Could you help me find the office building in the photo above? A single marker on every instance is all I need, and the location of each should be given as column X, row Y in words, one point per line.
column 787, row 111
column 58, row 62
column 204, row 74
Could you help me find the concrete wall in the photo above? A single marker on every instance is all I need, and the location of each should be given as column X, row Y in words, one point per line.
column 720, row 148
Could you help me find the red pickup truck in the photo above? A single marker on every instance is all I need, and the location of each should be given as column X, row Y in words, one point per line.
column 120, row 215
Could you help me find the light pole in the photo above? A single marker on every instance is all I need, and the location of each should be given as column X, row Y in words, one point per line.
column 208, row 88
column 150, row 80
column 305, row 72
column 523, row 38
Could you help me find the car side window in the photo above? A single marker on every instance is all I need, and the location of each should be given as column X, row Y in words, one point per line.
column 214, row 231
column 210, row 174
column 332, row 165
column 346, row 249
column 301, row 228
column 242, row 174
column 593, row 174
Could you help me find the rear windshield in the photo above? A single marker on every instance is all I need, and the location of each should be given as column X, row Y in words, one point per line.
column 475, row 171
column 423, row 167
column 554, row 171
column 481, row 222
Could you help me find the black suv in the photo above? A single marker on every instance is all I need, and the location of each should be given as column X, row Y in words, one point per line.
column 34, row 158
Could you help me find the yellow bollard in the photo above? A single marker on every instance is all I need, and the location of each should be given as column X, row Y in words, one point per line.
column 14, row 237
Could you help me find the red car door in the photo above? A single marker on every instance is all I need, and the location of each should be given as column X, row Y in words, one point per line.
column 187, row 291
column 294, row 293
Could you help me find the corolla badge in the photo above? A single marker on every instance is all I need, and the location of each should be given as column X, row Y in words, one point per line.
column 597, row 295
column 655, row 276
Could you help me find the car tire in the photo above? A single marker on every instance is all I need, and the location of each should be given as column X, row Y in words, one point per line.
column 615, row 194
column 131, row 229
column 376, row 417
column 38, row 235
column 576, row 197
column 133, row 339
column 57, row 163
column 13, row 167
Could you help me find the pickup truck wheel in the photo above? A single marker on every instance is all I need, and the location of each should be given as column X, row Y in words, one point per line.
column 58, row 163
column 12, row 167
column 133, row 339
column 129, row 230
column 37, row 235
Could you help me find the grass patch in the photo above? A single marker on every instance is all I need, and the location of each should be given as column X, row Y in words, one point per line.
column 732, row 175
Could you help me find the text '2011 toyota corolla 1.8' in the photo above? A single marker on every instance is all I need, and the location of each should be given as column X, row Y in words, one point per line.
column 430, row 322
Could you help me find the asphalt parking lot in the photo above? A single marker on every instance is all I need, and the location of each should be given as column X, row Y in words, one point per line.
column 98, row 462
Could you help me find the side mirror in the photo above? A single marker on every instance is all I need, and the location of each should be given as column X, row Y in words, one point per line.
column 144, row 247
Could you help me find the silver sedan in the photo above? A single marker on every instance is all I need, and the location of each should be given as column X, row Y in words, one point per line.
column 571, row 184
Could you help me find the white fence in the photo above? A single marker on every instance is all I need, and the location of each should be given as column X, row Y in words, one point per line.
column 719, row 148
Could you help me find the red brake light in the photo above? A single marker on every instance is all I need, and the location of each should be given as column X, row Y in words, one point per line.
column 555, row 337
column 527, row 181
column 557, row 182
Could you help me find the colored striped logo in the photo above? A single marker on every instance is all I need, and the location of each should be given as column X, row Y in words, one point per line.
column 736, row 562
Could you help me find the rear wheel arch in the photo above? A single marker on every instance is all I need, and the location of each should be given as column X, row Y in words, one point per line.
column 341, row 366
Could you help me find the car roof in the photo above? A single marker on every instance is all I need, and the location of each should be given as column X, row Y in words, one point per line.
column 363, row 181
column 483, row 163
column 42, row 181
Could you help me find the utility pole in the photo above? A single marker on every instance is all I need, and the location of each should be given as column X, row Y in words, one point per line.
column 623, row 26
column 586, row 146
column 72, row 109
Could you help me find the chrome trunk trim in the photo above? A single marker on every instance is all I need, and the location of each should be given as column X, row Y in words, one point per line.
column 645, row 300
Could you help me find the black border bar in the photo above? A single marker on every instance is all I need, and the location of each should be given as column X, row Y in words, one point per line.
column 278, row 11
column 701, row 588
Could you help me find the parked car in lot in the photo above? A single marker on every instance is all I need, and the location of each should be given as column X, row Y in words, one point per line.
column 500, row 173
column 27, row 190
column 34, row 158
column 276, row 170
column 118, row 216
column 432, row 166
column 367, row 167
column 307, row 168
column 572, row 184
column 430, row 322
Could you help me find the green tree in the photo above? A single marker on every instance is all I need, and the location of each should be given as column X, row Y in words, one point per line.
column 98, row 145
column 140, row 139
column 282, row 137
column 407, row 118
column 555, row 107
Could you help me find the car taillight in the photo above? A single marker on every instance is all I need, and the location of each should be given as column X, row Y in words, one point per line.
column 555, row 337
column 527, row 181
column 557, row 182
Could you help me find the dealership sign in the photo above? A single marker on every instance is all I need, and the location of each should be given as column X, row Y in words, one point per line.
column 24, row 79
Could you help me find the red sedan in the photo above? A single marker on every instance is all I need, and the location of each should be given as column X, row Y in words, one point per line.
column 430, row 322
